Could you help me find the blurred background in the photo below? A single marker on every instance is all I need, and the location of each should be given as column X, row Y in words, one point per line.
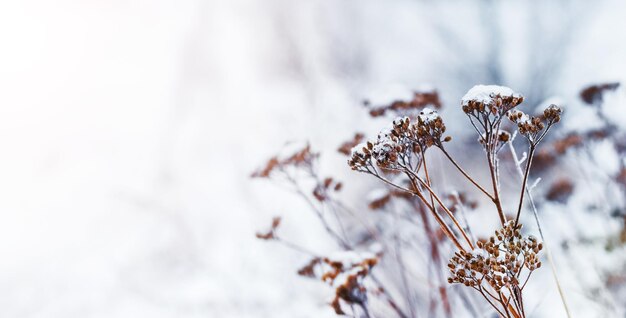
column 129, row 130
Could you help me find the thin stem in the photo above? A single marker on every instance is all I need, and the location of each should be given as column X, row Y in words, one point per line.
column 442, row 224
column 405, row 281
column 512, row 309
column 432, row 202
column 480, row 289
column 392, row 303
column 505, row 305
column 365, row 311
column 454, row 220
column 466, row 175
column 496, row 190
column 295, row 247
column 463, row 215
column 526, row 280
column 318, row 213
column 524, row 179
column 375, row 173
column 515, row 302
column 545, row 244
column 435, row 256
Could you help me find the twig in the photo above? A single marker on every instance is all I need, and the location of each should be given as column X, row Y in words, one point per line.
column 524, row 179
column 458, row 167
column 548, row 253
column 443, row 206
column 496, row 190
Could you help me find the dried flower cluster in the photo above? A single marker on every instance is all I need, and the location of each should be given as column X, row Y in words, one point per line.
column 397, row 147
column 303, row 157
column 346, row 273
column 346, row 147
column 420, row 100
column 381, row 201
column 594, row 94
column 535, row 128
column 496, row 266
column 271, row 233
column 560, row 190
column 321, row 191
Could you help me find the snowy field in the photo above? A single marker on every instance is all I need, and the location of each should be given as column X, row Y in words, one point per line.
column 129, row 130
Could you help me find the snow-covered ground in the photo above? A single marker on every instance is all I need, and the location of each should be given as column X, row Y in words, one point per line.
column 128, row 130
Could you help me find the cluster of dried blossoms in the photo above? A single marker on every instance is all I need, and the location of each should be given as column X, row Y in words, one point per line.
column 399, row 158
column 497, row 264
column 420, row 100
column 302, row 158
column 536, row 128
column 346, row 274
column 402, row 145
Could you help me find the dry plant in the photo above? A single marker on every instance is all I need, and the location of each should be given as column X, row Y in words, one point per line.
column 573, row 170
column 498, row 267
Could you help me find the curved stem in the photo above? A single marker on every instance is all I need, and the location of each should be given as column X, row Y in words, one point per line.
column 364, row 309
column 496, row 190
column 435, row 256
column 390, row 301
column 458, row 167
column 444, row 227
column 454, row 220
column 531, row 151
column 432, row 202
column 545, row 244
column 479, row 289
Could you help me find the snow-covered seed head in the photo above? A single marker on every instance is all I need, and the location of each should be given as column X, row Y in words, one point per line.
column 430, row 128
column 404, row 141
column 492, row 99
column 552, row 113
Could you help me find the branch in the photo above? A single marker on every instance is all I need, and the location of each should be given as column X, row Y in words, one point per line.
column 545, row 244
column 524, row 179
column 466, row 175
